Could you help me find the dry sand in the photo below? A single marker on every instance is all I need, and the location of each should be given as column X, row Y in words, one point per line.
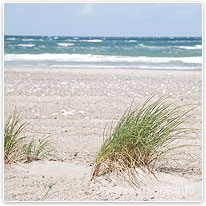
column 74, row 105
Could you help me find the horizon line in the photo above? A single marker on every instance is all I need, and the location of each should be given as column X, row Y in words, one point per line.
column 94, row 36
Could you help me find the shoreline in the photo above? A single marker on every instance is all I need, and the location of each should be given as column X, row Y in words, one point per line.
column 75, row 105
column 22, row 67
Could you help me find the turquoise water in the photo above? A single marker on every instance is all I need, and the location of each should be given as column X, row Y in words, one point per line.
column 105, row 52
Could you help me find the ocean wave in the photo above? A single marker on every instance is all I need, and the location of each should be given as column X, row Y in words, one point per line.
column 27, row 39
column 153, row 47
column 175, row 41
column 26, row 45
column 189, row 47
column 132, row 41
column 11, row 39
column 99, row 58
column 92, row 40
column 70, row 40
column 65, row 44
column 92, row 66
column 145, row 46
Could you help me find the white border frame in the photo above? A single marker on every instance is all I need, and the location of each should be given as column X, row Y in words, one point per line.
column 203, row 97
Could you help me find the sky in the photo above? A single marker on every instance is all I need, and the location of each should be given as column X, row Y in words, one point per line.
column 103, row 19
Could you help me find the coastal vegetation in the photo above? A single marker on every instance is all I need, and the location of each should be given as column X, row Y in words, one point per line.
column 141, row 138
column 19, row 147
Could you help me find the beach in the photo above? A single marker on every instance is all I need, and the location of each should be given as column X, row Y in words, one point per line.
column 74, row 106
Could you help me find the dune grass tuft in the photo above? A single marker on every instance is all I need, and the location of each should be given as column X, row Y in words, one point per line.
column 21, row 148
column 13, row 136
column 38, row 150
column 140, row 139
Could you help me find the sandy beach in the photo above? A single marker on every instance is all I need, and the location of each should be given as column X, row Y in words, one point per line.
column 74, row 106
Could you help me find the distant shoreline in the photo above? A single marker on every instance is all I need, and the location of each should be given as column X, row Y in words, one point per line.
column 48, row 68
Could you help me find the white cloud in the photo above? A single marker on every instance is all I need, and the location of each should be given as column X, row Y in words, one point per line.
column 86, row 10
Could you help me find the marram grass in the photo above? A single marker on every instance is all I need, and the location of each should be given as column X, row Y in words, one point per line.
column 37, row 150
column 21, row 148
column 13, row 136
column 140, row 139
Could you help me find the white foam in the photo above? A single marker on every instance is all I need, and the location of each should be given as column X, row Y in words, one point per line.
column 27, row 39
column 11, row 39
column 65, row 44
column 70, row 40
column 132, row 40
column 175, row 41
column 26, row 45
column 56, row 37
column 92, row 40
column 189, row 47
column 122, row 66
column 100, row 58
column 144, row 46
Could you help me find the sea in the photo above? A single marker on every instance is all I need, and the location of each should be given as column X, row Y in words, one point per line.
column 181, row 53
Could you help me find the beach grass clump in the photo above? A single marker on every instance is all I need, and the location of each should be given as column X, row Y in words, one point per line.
column 13, row 137
column 38, row 150
column 141, row 138
column 19, row 147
